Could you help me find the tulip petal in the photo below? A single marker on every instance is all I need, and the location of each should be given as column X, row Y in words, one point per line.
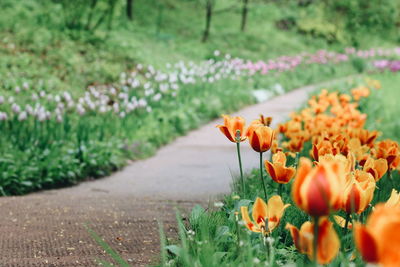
column 294, row 232
column 328, row 242
column 260, row 212
column 246, row 218
column 226, row 132
column 365, row 243
column 304, row 169
column 317, row 193
column 271, row 170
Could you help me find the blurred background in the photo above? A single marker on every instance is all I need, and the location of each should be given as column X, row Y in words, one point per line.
column 86, row 85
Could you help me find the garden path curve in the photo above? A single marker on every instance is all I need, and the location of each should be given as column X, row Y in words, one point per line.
column 46, row 228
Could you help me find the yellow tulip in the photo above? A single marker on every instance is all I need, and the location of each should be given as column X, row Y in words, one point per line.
column 266, row 217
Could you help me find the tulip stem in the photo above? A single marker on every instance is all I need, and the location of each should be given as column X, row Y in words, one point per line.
column 240, row 166
column 262, row 177
column 346, row 224
column 280, row 189
column 237, row 231
column 315, row 240
column 296, row 161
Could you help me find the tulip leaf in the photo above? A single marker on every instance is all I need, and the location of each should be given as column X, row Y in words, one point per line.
column 174, row 249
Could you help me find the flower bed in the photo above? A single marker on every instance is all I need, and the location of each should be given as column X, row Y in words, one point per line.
column 329, row 192
column 53, row 138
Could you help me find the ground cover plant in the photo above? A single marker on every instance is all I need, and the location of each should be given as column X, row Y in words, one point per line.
column 333, row 174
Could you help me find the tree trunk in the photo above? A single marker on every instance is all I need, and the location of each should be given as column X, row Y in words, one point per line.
column 209, row 9
column 129, row 9
column 244, row 15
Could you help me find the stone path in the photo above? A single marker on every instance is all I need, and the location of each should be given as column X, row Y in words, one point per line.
column 46, row 228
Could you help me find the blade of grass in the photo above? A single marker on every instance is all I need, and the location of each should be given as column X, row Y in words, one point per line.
column 109, row 250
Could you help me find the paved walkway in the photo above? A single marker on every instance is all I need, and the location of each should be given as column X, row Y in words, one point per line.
column 46, row 228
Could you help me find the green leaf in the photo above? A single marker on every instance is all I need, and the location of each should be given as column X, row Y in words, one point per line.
column 174, row 250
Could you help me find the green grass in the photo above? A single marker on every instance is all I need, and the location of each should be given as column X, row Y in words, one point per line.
column 37, row 44
column 215, row 237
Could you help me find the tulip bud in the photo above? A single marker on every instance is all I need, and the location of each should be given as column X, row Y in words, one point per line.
column 318, row 190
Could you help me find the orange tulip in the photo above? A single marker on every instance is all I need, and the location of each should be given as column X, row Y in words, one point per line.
column 318, row 190
column 394, row 199
column 360, row 92
column 328, row 241
column 231, row 126
column 358, row 192
column 379, row 240
column 323, row 147
column 377, row 168
column 260, row 137
column 277, row 168
column 390, row 151
column 348, row 162
column 296, row 142
column 266, row 217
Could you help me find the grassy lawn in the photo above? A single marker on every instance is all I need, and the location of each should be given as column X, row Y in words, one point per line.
column 217, row 236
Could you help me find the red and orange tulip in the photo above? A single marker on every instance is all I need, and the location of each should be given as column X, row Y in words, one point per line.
column 266, row 216
column 277, row 168
column 231, row 126
column 328, row 243
column 390, row 151
column 358, row 192
column 379, row 240
column 377, row 168
column 260, row 137
column 318, row 190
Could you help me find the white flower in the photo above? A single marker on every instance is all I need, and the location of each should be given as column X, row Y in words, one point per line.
column 1, row 99
column 3, row 116
column 17, row 89
column 157, row 97
column 22, row 116
column 25, row 85
column 16, row 108
column 34, row 97
column 103, row 109
column 80, row 109
column 29, row 109
column 218, row 204
column 11, row 99
column 41, row 116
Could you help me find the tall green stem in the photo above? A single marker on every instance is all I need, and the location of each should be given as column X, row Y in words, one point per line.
column 346, row 224
column 315, row 240
column 240, row 166
column 262, row 177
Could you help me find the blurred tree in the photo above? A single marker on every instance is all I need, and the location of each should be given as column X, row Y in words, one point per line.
column 129, row 9
column 209, row 13
column 244, row 15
